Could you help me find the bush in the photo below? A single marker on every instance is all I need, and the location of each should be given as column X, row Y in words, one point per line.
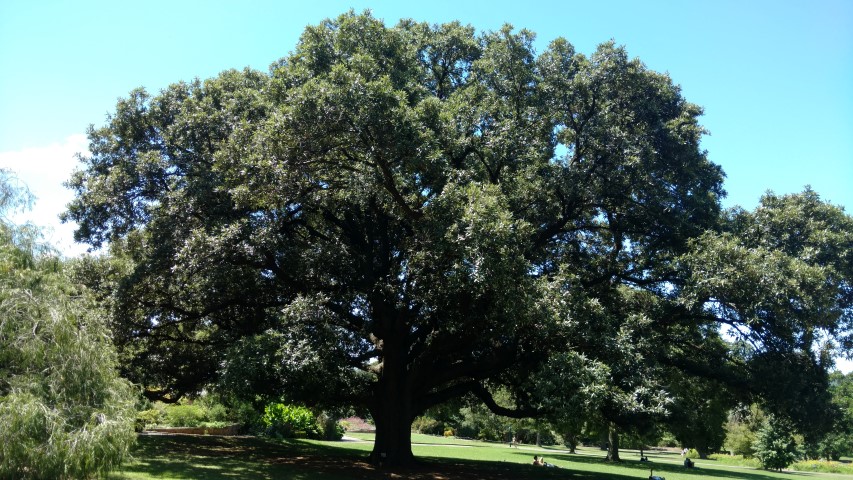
column 289, row 421
column 214, row 424
column 693, row 453
column 823, row 466
column 466, row 430
column 330, row 428
column 668, row 440
column 185, row 415
column 737, row 460
column 147, row 418
column 247, row 416
column 202, row 412
column 428, row 425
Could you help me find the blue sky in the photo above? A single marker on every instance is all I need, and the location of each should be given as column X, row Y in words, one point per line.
column 775, row 77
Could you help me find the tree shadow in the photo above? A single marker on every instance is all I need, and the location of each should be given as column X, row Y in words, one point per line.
column 233, row 458
column 664, row 468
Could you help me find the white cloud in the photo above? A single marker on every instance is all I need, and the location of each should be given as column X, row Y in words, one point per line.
column 43, row 170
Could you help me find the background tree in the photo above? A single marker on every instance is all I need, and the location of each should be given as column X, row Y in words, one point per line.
column 698, row 414
column 741, row 429
column 64, row 411
column 780, row 278
column 839, row 441
column 775, row 445
column 394, row 217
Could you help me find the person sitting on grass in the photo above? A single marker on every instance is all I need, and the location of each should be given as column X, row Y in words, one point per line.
column 537, row 460
column 688, row 463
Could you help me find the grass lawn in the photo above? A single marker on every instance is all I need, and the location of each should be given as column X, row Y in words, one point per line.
column 210, row 457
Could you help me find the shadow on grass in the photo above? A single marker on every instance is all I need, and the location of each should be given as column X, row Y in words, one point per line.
column 220, row 458
column 664, row 468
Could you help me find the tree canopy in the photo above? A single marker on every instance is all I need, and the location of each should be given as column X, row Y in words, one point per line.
column 396, row 216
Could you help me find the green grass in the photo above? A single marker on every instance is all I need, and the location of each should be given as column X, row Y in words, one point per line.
column 217, row 458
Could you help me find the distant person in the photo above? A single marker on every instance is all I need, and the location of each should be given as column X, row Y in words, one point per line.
column 688, row 463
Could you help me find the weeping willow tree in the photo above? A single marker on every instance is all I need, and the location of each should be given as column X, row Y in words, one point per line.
column 64, row 411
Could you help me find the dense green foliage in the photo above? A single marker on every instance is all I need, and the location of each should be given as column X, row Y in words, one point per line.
column 293, row 421
column 289, row 421
column 775, row 445
column 64, row 411
column 699, row 412
column 199, row 413
column 738, row 460
column 823, row 466
column 393, row 217
column 839, row 441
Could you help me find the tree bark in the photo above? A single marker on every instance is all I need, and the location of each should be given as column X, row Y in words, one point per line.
column 392, row 403
column 613, row 444
column 571, row 442
column 393, row 444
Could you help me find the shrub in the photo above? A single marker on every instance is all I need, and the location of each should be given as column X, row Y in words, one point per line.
column 738, row 460
column 185, row 415
column 247, row 416
column 330, row 428
column 357, row 424
column 214, row 424
column 201, row 412
column 693, row 453
column 428, row 425
column 289, row 421
column 466, row 430
column 668, row 440
column 147, row 418
column 823, row 466
column 448, row 432
column 215, row 412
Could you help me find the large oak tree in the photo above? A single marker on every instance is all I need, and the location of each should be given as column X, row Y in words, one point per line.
column 393, row 217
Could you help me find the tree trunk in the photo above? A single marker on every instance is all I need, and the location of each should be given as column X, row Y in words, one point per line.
column 613, row 444
column 393, row 444
column 702, row 448
column 392, row 403
column 571, row 441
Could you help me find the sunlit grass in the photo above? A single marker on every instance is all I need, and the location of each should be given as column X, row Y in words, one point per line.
column 193, row 457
